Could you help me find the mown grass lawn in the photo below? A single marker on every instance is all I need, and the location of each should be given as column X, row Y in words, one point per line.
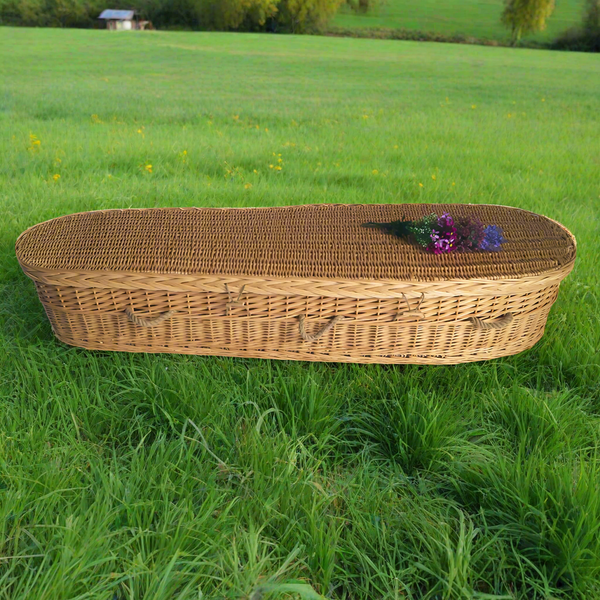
column 476, row 18
column 138, row 476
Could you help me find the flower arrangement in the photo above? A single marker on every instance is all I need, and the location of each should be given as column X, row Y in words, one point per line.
column 444, row 234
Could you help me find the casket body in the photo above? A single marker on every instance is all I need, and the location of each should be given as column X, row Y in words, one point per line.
column 299, row 282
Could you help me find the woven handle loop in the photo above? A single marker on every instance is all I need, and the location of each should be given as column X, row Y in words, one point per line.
column 148, row 322
column 500, row 323
column 307, row 337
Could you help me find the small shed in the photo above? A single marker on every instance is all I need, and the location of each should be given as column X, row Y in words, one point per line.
column 122, row 19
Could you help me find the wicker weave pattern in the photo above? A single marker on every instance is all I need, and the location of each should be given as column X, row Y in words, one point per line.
column 429, row 343
column 237, row 282
column 153, row 304
column 305, row 242
column 102, row 280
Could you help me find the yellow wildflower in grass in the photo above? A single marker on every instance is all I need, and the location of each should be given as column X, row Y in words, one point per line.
column 236, row 117
column 255, row 171
column 473, row 106
column 365, row 116
column 96, row 119
column 433, row 177
column 148, row 168
column 34, row 143
column 271, row 167
column 278, row 168
column 267, row 129
column 420, row 184
column 231, row 171
column 247, row 186
column 453, row 183
column 375, row 172
column 56, row 177
column 57, row 160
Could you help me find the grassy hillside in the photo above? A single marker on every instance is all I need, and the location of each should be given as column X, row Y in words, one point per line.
column 161, row 477
column 477, row 18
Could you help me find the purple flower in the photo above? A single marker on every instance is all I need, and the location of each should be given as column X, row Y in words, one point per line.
column 445, row 220
column 442, row 241
column 492, row 239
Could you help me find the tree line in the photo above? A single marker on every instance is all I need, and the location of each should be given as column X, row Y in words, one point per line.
column 522, row 17
column 297, row 16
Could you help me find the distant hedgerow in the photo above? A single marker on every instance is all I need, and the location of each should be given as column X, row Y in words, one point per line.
column 585, row 38
column 234, row 14
column 297, row 16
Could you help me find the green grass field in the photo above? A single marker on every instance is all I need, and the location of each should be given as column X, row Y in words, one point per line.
column 476, row 18
column 137, row 476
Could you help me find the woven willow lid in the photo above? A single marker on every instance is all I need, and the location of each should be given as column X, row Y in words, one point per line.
column 313, row 241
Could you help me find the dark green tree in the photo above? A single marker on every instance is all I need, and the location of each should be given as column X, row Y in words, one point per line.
column 591, row 19
column 299, row 16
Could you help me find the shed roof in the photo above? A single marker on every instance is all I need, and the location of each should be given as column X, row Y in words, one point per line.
column 119, row 15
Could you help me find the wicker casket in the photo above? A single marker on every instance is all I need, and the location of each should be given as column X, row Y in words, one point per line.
column 298, row 282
